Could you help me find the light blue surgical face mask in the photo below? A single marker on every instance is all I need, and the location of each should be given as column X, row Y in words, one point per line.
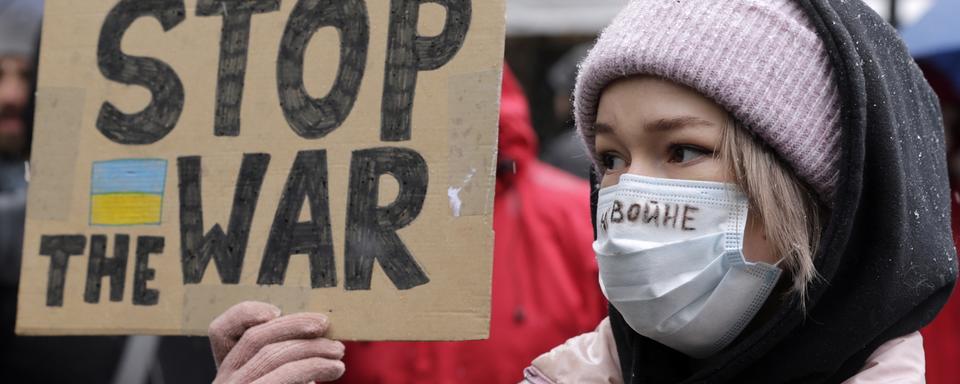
column 671, row 261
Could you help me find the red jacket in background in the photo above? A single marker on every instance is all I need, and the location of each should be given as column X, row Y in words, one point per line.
column 545, row 286
column 941, row 338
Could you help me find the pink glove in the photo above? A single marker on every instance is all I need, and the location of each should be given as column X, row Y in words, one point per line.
column 252, row 343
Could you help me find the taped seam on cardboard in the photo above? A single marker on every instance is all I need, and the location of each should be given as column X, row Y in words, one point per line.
column 59, row 112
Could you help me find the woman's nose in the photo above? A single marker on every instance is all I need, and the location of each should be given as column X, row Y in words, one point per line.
column 645, row 167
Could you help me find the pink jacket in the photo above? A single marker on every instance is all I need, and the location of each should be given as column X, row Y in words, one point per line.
column 592, row 358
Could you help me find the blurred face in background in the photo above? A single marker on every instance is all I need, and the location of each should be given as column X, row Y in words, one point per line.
column 15, row 78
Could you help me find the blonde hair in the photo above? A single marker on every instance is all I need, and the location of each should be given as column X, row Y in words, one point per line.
column 786, row 208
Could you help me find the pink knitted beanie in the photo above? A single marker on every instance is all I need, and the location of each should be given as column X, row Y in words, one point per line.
column 759, row 59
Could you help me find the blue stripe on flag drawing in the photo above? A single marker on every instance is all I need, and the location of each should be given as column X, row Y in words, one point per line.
column 129, row 175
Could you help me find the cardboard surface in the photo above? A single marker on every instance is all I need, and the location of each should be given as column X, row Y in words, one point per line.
column 182, row 164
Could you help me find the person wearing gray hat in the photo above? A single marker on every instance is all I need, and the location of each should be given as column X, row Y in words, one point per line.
column 31, row 359
column 19, row 27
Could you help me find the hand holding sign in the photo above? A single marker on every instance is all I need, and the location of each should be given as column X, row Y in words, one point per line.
column 193, row 154
column 252, row 343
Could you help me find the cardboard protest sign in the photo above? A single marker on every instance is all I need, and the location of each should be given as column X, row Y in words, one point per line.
column 334, row 156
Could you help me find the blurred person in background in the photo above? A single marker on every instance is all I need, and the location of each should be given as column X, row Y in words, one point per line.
column 566, row 150
column 31, row 359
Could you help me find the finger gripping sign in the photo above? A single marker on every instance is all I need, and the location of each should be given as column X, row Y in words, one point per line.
column 332, row 156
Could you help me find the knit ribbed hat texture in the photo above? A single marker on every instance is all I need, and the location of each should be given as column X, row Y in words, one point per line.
column 759, row 59
column 19, row 27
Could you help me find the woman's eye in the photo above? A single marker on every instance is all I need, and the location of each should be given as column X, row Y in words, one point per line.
column 612, row 162
column 684, row 153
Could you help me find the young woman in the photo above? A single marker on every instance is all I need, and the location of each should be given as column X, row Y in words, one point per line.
column 772, row 203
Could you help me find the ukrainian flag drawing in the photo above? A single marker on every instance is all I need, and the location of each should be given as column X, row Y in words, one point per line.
column 127, row 191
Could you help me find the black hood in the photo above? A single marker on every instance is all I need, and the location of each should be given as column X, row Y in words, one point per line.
column 886, row 257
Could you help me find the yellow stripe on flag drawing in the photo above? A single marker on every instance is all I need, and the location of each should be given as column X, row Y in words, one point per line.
column 126, row 208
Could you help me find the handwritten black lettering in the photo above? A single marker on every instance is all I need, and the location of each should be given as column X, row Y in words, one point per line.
column 161, row 115
column 234, row 42
column 142, row 295
column 315, row 118
column 409, row 53
column 371, row 230
column 603, row 221
column 227, row 249
column 633, row 213
column 670, row 215
column 651, row 215
column 616, row 213
column 100, row 266
column 307, row 181
column 688, row 212
column 59, row 248
column 652, row 212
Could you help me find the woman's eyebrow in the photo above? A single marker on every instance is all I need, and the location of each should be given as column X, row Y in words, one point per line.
column 677, row 122
column 601, row 128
